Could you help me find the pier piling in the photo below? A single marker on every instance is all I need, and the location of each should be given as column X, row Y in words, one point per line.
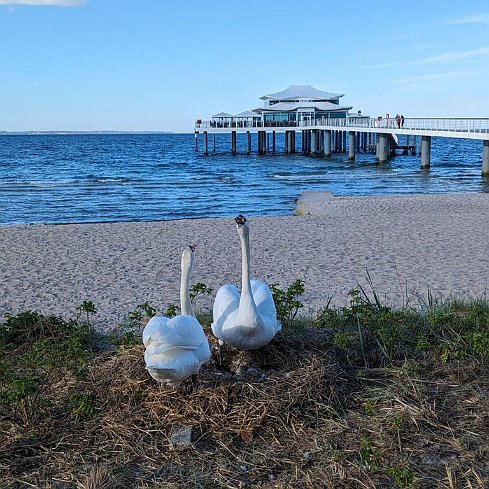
column 351, row 145
column 485, row 158
column 425, row 152
column 327, row 144
column 382, row 148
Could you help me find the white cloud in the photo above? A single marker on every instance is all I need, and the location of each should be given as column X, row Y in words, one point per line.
column 54, row 3
column 452, row 56
column 449, row 57
column 470, row 19
column 433, row 77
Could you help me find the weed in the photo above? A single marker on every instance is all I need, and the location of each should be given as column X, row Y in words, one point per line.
column 172, row 310
column 198, row 289
column 18, row 389
column 403, row 476
column 82, row 405
column 287, row 302
column 129, row 338
column 87, row 308
column 369, row 406
column 340, row 340
column 369, row 456
column 142, row 313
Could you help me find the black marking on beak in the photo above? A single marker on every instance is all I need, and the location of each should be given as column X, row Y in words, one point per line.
column 240, row 220
column 193, row 247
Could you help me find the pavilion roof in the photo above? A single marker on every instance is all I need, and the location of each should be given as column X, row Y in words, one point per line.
column 222, row 115
column 301, row 91
column 247, row 114
column 291, row 106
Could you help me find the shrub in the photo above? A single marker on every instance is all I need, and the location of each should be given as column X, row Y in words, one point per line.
column 287, row 303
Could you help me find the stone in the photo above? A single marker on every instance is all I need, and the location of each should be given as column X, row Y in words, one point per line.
column 181, row 436
column 312, row 203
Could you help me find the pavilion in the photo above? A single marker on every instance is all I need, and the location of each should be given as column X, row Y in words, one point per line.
column 294, row 105
column 302, row 103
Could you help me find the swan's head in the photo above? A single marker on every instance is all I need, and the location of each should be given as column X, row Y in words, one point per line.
column 188, row 255
column 242, row 225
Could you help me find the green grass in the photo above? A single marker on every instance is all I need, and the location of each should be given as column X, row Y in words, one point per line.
column 360, row 396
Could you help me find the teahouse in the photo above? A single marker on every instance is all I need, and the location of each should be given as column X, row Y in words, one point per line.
column 302, row 103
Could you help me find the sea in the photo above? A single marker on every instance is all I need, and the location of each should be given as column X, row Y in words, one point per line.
column 86, row 178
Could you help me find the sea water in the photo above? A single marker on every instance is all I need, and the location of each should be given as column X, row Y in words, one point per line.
column 49, row 179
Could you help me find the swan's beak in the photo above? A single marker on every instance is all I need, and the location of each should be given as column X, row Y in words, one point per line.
column 240, row 220
column 193, row 247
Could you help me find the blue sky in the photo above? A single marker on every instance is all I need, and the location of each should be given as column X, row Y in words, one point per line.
column 161, row 64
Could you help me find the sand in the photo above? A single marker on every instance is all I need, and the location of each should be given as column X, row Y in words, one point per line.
column 410, row 245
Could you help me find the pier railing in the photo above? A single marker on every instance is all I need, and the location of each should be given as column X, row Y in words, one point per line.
column 452, row 124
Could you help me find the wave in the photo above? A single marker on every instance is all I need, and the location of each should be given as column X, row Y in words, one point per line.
column 303, row 176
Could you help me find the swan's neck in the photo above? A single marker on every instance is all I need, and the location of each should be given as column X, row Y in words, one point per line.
column 248, row 312
column 245, row 266
column 185, row 304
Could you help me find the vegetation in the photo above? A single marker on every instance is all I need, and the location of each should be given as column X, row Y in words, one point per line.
column 287, row 302
column 362, row 396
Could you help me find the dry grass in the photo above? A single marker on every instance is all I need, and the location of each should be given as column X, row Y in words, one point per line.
column 309, row 419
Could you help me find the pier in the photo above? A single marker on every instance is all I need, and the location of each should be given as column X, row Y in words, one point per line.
column 324, row 136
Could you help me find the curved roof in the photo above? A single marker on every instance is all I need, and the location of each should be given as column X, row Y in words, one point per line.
column 222, row 115
column 302, row 91
column 247, row 114
column 288, row 106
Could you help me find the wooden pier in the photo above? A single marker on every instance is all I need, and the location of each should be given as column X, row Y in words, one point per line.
column 322, row 137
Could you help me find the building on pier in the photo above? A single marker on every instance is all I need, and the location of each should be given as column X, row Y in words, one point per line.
column 301, row 103
column 298, row 104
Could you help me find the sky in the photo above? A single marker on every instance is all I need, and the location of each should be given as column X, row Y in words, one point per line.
column 158, row 65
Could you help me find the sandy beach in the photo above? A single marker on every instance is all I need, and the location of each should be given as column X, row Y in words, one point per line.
column 408, row 244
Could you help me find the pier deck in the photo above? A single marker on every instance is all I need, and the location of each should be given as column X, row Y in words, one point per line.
column 363, row 133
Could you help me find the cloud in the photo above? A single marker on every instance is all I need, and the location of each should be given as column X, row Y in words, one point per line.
column 448, row 57
column 470, row 19
column 433, row 77
column 54, row 3
column 452, row 56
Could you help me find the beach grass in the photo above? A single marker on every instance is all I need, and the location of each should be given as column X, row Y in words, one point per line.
column 361, row 396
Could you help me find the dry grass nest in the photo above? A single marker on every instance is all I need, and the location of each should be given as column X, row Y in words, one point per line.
column 304, row 419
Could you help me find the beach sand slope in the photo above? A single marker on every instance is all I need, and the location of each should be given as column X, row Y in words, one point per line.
column 408, row 244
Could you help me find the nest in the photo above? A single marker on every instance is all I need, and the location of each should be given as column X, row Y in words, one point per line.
column 291, row 415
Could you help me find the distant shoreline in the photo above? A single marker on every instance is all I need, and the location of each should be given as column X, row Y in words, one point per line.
column 68, row 133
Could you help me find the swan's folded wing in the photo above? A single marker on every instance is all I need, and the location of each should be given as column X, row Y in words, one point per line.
column 184, row 332
column 178, row 332
column 263, row 298
column 226, row 301
column 155, row 325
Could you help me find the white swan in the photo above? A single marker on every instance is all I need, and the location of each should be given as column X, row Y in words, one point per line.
column 247, row 321
column 176, row 348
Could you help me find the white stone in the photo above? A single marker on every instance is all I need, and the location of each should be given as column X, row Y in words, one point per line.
column 313, row 203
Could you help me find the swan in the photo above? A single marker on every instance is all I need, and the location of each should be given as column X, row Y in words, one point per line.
column 176, row 348
column 247, row 321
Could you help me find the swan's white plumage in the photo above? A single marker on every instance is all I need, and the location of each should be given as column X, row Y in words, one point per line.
column 176, row 348
column 248, row 320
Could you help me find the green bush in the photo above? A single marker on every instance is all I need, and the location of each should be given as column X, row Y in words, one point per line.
column 287, row 303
